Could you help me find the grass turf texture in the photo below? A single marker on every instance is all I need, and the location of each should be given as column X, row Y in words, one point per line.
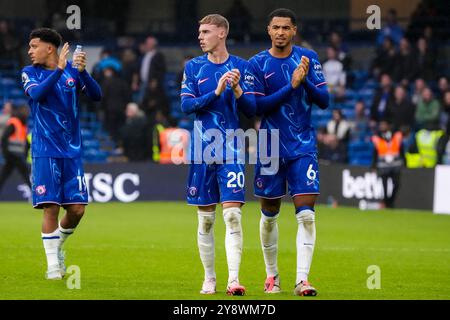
column 148, row 250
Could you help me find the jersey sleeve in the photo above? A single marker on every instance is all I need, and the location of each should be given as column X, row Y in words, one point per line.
column 188, row 84
column 315, row 74
column 29, row 79
column 253, row 79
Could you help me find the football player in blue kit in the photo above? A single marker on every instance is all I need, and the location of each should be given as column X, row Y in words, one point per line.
column 288, row 82
column 53, row 85
column 215, row 86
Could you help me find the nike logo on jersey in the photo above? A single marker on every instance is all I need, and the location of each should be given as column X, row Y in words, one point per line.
column 267, row 76
column 310, row 182
column 236, row 191
column 202, row 80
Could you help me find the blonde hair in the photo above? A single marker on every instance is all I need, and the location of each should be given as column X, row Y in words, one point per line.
column 217, row 20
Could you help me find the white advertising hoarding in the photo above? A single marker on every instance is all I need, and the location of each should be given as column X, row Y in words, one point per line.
column 441, row 202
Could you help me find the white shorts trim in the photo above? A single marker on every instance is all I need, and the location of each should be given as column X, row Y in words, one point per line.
column 262, row 197
column 45, row 202
column 304, row 194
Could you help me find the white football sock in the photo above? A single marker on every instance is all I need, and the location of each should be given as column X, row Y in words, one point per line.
column 51, row 242
column 233, row 241
column 64, row 234
column 268, row 231
column 205, row 241
column 306, row 238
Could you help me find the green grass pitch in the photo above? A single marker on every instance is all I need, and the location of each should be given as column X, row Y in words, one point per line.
column 148, row 250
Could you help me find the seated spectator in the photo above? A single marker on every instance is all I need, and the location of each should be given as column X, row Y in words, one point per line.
column 360, row 127
column 442, row 87
column 419, row 85
column 406, row 64
column 428, row 111
column 425, row 60
column 400, row 110
column 385, row 59
column 341, row 49
column 380, row 100
column 392, row 29
column 338, row 131
column 333, row 71
column 135, row 135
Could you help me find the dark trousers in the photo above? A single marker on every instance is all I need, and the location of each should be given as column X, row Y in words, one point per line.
column 13, row 162
column 394, row 175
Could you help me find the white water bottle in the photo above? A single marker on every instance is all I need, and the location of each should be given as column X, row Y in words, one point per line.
column 78, row 49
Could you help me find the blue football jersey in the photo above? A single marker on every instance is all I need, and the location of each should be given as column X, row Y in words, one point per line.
column 56, row 126
column 293, row 117
column 221, row 114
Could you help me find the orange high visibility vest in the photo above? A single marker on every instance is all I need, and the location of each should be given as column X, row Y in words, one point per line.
column 18, row 140
column 388, row 151
column 174, row 143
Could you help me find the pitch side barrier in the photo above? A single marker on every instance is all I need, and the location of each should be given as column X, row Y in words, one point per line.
column 339, row 184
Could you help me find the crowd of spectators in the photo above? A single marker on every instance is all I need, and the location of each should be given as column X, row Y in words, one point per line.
column 411, row 93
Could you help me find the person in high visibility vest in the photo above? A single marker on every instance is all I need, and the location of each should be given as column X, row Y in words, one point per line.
column 423, row 153
column 15, row 146
column 388, row 159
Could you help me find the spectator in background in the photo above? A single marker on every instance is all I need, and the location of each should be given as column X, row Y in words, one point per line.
column 419, row 85
column 338, row 130
column 5, row 115
column 400, row 110
column 180, row 74
column 425, row 60
column 152, row 66
column 9, row 44
column 341, row 49
column 385, row 59
column 428, row 111
column 130, row 69
column 443, row 148
column 333, row 71
column 116, row 95
column 406, row 64
column 380, row 100
column 15, row 146
column 135, row 135
column 360, row 127
column 392, row 29
column 107, row 60
column 388, row 159
column 446, row 108
column 155, row 100
column 240, row 20
column 301, row 42
column 443, row 88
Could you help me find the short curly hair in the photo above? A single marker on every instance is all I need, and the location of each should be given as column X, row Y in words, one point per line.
column 47, row 35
